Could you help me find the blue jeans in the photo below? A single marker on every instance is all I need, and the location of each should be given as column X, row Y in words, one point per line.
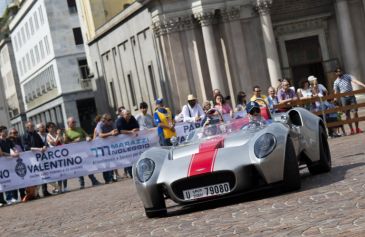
column 91, row 177
column 108, row 176
column 128, row 170
column 64, row 182
column 164, row 141
column 13, row 194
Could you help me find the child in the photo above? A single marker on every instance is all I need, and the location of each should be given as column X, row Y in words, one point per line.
column 331, row 117
column 339, row 118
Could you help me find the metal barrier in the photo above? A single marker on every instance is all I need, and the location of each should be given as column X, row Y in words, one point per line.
column 311, row 100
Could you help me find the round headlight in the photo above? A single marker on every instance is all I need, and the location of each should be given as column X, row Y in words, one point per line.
column 264, row 145
column 145, row 168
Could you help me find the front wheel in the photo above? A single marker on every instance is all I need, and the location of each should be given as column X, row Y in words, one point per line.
column 291, row 180
column 325, row 163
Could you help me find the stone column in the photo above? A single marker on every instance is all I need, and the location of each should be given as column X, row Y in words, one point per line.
column 211, row 48
column 272, row 57
column 346, row 32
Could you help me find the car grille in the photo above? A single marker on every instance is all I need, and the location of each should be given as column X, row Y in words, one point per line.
column 203, row 180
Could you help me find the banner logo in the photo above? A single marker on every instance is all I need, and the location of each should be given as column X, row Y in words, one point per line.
column 20, row 168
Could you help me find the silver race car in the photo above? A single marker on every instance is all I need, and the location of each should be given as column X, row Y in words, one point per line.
column 228, row 158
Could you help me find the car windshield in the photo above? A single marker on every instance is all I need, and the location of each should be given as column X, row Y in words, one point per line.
column 223, row 129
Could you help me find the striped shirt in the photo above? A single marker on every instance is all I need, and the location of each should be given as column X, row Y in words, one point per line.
column 343, row 84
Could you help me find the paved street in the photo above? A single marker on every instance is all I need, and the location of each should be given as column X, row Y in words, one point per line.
column 330, row 204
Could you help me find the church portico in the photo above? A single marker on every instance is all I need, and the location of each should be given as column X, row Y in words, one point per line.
column 222, row 58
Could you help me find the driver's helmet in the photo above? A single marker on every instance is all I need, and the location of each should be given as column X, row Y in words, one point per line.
column 253, row 107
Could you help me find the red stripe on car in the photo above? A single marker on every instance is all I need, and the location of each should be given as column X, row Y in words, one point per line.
column 203, row 161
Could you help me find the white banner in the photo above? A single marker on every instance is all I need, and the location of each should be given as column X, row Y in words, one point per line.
column 73, row 160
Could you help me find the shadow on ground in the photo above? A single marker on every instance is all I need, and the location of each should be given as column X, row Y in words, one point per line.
column 337, row 174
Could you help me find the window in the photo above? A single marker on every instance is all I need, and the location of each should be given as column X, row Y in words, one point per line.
column 31, row 26
column 40, row 15
column 23, row 35
column 20, row 68
column 36, row 21
column 112, row 90
column 28, row 61
column 15, row 43
column 36, row 53
column 78, row 36
column 19, row 40
column 84, row 69
column 32, row 57
column 24, row 65
column 41, row 49
column 27, row 30
column 46, row 44
column 131, row 89
column 152, row 80
column 72, row 8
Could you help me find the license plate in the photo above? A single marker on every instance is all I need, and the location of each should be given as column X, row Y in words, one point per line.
column 207, row 191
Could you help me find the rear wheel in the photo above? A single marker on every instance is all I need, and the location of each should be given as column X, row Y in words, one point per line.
column 324, row 164
column 159, row 209
column 291, row 169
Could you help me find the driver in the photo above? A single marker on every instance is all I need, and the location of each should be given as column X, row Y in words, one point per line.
column 254, row 113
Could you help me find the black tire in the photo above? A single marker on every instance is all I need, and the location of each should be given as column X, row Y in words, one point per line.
column 325, row 163
column 291, row 179
column 159, row 209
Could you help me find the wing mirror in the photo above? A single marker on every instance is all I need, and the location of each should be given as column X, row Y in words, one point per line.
column 174, row 141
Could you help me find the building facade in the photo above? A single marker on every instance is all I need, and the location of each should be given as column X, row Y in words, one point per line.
column 4, row 114
column 51, row 62
column 124, row 63
column 195, row 46
column 12, row 92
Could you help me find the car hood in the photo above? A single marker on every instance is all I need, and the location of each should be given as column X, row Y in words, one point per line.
column 216, row 142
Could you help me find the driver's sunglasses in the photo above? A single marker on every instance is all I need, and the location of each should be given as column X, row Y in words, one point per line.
column 255, row 111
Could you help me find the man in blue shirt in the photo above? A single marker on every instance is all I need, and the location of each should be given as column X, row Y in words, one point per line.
column 127, row 124
column 106, row 129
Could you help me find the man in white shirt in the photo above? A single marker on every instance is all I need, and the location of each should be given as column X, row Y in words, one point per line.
column 192, row 112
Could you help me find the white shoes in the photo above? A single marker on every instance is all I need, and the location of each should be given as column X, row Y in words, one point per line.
column 12, row 201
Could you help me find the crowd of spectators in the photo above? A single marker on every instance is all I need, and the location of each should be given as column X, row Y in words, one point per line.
column 49, row 135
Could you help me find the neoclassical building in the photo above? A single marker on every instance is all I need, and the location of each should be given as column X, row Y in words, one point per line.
column 174, row 48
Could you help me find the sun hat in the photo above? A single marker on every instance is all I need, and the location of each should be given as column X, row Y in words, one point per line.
column 191, row 97
column 312, row 78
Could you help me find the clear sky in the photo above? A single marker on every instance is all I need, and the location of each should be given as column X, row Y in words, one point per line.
column 3, row 4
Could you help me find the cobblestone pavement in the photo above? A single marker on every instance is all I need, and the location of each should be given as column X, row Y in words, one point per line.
column 331, row 204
